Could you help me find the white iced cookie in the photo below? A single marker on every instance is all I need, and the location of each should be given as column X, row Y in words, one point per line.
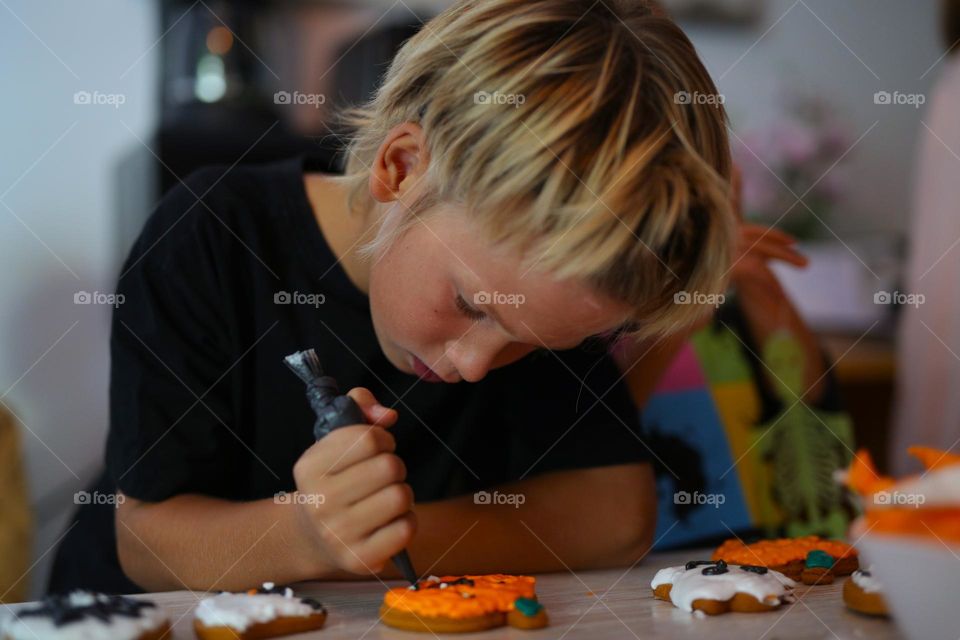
column 265, row 612
column 716, row 587
column 864, row 594
column 866, row 581
column 84, row 615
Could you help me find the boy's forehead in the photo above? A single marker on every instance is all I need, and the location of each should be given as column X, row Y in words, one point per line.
column 531, row 304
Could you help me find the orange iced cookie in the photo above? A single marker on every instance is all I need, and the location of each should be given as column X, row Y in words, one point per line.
column 464, row 603
column 788, row 555
column 924, row 505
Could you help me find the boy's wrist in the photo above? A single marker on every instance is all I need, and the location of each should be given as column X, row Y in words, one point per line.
column 302, row 559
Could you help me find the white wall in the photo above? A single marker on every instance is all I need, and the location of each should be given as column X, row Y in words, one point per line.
column 814, row 45
column 57, row 237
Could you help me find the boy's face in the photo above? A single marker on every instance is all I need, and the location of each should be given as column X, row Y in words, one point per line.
column 447, row 306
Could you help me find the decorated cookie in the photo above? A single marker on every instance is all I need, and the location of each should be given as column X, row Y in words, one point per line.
column 715, row 587
column 464, row 603
column 818, row 568
column 864, row 594
column 789, row 556
column 266, row 612
column 87, row 615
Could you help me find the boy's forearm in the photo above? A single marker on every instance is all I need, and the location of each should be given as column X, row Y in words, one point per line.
column 589, row 518
column 203, row 543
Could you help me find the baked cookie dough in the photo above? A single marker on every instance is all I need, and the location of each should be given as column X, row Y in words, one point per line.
column 459, row 604
column 864, row 594
column 789, row 555
column 714, row 587
column 267, row 612
column 87, row 615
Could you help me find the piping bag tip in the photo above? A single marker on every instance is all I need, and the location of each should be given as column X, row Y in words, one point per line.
column 402, row 561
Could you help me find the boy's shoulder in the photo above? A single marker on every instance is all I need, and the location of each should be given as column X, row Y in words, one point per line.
column 217, row 206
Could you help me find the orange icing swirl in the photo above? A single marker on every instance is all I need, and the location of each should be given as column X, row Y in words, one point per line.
column 773, row 553
column 488, row 594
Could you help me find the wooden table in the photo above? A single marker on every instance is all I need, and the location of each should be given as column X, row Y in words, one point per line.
column 591, row 604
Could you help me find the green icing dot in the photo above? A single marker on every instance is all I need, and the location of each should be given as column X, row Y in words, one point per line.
column 819, row 559
column 527, row 606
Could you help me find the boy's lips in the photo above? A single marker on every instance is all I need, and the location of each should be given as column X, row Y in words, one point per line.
column 424, row 372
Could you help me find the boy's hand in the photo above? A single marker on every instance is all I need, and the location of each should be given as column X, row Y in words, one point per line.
column 756, row 246
column 353, row 503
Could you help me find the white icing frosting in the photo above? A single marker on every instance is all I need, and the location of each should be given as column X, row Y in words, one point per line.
column 937, row 488
column 867, row 582
column 690, row 585
column 13, row 627
column 242, row 610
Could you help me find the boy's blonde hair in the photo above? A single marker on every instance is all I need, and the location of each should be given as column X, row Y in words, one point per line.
column 586, row 135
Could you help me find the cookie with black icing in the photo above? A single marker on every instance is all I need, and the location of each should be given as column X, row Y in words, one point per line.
column 713, row 587
column 88, row 615
column 265, row 612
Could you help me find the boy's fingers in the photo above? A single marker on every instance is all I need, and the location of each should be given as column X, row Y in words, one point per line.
column 779, row 252
column 374, row 412
column 754, row 231
column 346, row 446
column 381, row 508
column 369, row 476
column 390, row 539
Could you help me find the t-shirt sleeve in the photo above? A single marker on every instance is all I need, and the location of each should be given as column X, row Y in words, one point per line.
column 570, row 410
column 170, row 410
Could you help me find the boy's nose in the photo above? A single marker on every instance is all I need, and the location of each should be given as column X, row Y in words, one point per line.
column 473, row 358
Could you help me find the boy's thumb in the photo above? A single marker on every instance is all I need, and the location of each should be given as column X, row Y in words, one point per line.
column 375, row 412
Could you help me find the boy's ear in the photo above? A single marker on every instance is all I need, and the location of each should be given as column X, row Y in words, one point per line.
column 401, row 162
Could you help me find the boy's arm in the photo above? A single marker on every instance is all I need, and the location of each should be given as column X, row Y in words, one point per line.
column 198, row 542
column 579, row 519
column 575, row 519
column 765, row 305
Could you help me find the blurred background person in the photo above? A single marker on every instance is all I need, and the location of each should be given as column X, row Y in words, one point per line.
column 928, row 349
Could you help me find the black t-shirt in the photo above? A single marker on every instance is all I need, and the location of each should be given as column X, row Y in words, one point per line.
column 218, row 291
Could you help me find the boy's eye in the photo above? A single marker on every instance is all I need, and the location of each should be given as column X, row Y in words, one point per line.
column 467, row 310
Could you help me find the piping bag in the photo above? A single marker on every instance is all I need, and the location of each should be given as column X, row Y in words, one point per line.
column 333, row 411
